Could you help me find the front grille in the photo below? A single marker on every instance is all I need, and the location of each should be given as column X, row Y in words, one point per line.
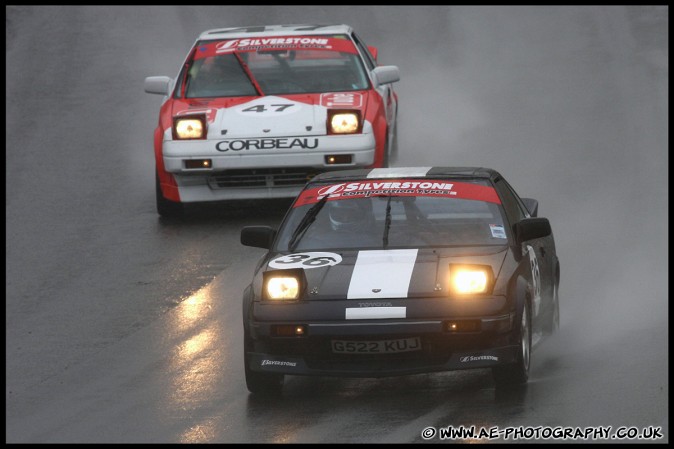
column 261, row 177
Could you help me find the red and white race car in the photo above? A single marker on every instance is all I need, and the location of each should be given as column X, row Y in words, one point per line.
column 257, row 111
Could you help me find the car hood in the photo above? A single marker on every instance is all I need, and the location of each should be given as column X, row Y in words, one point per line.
column 383, row 274
column 269, row 116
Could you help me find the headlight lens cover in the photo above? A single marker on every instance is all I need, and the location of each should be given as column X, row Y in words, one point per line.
column 283, row 288
column 470, row 279
column 283, row 285
column 344, row 122
column 187, row 128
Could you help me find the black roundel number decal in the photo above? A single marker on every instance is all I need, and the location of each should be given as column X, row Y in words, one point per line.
column 306, row 260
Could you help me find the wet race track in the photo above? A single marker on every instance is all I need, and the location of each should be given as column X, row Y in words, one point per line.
column 125, row 328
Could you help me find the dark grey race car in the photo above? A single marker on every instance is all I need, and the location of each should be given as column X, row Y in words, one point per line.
column 398, row 271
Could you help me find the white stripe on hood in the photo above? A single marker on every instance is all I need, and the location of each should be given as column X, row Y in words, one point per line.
column 382, row 274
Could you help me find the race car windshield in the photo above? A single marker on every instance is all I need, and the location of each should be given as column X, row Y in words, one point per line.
column 277, row 72
column 306, row 221
column 218, row 76
column 390, row 221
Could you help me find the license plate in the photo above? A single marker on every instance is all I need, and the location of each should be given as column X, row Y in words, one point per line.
column 376, row 347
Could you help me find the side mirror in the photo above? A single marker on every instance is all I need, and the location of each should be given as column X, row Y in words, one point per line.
column 386, row 74
column 531, row 228
column 258, row 236
column 532, row 206
column 157, row 85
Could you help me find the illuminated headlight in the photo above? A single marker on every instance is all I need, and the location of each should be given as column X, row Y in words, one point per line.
column 344, row 122
column 470, row 279
column 283, row 288
column 192, row 127
column 283, row 285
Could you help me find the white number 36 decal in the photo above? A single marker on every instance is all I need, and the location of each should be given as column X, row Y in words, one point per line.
column 306, row 260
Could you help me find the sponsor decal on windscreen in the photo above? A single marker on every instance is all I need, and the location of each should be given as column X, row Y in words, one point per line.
column 497, row 231
column 399, row 187
column 276, row 43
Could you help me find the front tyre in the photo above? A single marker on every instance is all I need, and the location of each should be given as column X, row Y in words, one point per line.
column 517, row 373
column 553, row 325
column 166, row 208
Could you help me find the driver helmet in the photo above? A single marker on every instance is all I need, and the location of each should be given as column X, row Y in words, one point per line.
column 350, row 215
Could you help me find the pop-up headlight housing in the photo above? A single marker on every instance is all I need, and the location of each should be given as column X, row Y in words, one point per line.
column 342, row 121
column 283, row 285
column 467, row 279
column 189, row 127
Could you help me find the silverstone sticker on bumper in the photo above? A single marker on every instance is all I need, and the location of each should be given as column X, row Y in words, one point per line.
column 382, row 274
column 266, row 362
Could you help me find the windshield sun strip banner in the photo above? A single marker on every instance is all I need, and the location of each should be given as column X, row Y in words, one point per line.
column 210, row 49
column 399, row 187
column 398, row 172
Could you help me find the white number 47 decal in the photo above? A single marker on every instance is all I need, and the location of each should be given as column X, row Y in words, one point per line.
column 262, row 108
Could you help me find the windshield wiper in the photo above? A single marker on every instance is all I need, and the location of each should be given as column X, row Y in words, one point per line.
column 387, row 222
column 306, row 221
column 249, row 74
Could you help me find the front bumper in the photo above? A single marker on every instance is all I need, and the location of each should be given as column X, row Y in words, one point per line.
column 258, row 173
column 441, row 349
column 260, row 152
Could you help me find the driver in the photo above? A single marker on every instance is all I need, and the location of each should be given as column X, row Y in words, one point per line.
column 219, row 76
column 352, row 215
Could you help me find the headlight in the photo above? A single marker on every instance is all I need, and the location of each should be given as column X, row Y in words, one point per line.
column 344, row 122
column 470, row 279
column 283, row 288
column 282, row 285
column 192, row 127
